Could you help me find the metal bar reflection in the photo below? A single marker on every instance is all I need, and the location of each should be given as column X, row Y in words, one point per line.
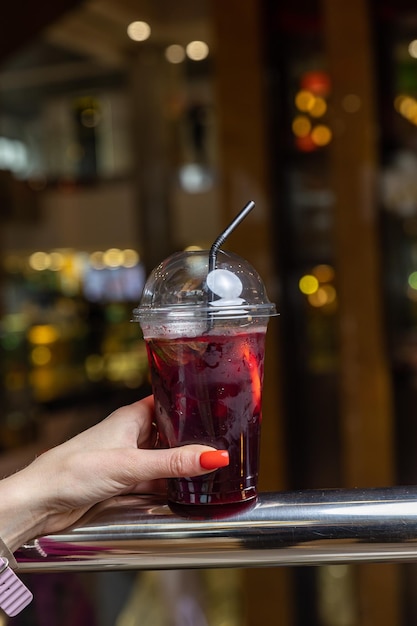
column 292, row 528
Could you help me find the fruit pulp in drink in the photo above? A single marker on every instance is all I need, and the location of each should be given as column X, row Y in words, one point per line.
column 208, row 390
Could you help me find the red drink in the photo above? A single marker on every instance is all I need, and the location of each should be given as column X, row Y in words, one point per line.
column 204, row 321
column 208, row 390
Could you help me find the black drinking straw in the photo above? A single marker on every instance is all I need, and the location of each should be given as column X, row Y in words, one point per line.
column 222, row 238
column 229, row 229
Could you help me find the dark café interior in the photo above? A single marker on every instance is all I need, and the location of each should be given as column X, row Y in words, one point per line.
column 131, row 129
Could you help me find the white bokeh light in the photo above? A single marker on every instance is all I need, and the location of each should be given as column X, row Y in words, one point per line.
column 139, row 31
column 197, row 50
column 175, row 53
column 412, row 49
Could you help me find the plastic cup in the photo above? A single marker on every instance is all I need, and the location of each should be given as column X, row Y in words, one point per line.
column 205, row 336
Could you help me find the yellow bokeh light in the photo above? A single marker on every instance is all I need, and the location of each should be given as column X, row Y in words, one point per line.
column 130, row 258
column 318, row 299
column 41, row 355
column 96, row 260
column 325, row 296
column 301, row 126
column 308, row 284
column 39, row 261
column 408, row 107
column 90, row 118
column 56, row 261
column 319, row 107
column 324, row 273
column 398, row 101
column 113, row 257
column 43, row 334
column 304, row 100
column 321, row 135
column 330, row 293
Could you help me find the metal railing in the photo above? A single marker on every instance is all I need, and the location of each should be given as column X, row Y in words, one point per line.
column 291, row 528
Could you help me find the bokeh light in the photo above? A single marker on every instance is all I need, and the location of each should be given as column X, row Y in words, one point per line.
column 197, row 50
column 175, row 53
column 407, row 107
column 43, row 334
column 113, row 257
column 324, row 273
column 305, row 144
column 324, row 296
column 39, row 261
column 301, row 126
column 304, row 100
column 319, row 107
column 308, row 284
column 130, row 258
column 56, row 261
column 412, row 280
column 412, row 49
column 321, row 135
column 139, row 31
column 41, row 355
column 316, row 81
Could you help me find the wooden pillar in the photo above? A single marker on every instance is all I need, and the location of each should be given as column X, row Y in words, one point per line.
column 243, row 157
column 366, row 394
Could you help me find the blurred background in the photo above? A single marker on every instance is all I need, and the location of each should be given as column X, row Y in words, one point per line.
column 130, row 129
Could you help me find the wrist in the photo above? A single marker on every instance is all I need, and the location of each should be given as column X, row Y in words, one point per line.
column 6, row 553
column 21, row 515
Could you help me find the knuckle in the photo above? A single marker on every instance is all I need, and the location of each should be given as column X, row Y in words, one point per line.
column 180, row 464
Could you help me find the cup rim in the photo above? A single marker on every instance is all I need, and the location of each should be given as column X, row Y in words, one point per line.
column 185, row 311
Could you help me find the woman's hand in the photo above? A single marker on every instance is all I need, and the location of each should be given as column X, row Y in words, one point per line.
column 114, row 457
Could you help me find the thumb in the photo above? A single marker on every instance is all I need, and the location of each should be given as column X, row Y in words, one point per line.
column 189, row 460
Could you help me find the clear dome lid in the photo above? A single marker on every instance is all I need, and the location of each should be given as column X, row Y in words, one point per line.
column 184, row 286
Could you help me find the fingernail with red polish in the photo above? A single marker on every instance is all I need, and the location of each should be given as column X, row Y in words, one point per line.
column 213, row 460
